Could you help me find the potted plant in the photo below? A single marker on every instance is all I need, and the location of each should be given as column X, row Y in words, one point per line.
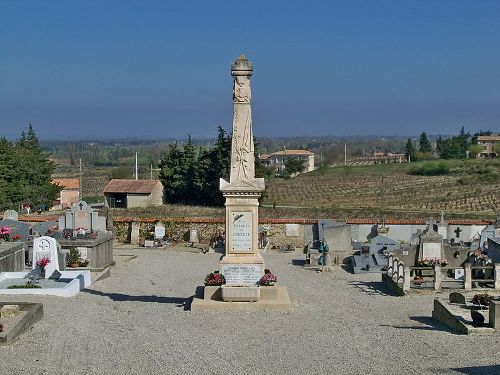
column 74, row 258
column 482, row 299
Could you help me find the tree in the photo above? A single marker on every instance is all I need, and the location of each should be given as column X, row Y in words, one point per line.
column 425, row 145
column 171, row 174
column 194, row 179
column 293, row 166
column 25, row 173
column 410, row 150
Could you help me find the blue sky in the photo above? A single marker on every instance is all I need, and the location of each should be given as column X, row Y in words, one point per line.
column 100, row 69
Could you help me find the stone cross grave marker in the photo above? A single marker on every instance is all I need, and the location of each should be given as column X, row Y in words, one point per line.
column 46, row 247
column 11, row 214
column 81, row 213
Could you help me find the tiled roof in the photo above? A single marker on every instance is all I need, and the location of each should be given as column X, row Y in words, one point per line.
column 67, row 183
column 489, row 138
column 131, row 186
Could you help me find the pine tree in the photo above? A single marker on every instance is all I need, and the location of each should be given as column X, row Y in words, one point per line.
column 27, row 172
column 410, row 150
column 171, row 174
column 425, row 145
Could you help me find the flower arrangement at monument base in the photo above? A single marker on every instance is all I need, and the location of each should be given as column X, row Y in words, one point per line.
column 215, row 279
column 269, row 279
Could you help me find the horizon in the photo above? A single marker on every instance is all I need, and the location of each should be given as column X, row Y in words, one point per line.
column 93, row 70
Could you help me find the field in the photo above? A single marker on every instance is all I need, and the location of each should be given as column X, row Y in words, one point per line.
column 470, row 189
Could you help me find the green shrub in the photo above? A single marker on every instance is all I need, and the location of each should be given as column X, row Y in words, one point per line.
column 430, row 169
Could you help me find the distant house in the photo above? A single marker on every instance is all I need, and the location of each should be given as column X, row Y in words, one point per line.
column 489, row 142
column 69, row 194
column 133, row 193
column 278, row 159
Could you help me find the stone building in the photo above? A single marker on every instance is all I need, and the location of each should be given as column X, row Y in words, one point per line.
column 490, row 145
column 69, row 194
column 133, row 193
column 278, row 159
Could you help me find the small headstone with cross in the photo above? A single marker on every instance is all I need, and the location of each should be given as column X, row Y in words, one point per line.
column 46, row 247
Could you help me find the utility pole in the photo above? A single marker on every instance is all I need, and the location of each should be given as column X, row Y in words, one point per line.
column 136, row 169
column 80, row 192
column 345, row 153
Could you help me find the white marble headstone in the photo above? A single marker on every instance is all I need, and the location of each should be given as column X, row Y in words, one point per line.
column 159, row 230
column 11, row 214
column 46, row 247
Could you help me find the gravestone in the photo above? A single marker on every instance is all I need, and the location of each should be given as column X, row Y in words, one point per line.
column 431, row 246
column 46, row 247
column 43, row 228
column 11, row 214
column 193, row 236
column 457, row 298
column 17, row 227
column 159, row 231
column 82, row 216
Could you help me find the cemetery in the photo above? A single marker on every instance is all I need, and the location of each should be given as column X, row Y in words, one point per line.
column 259, row 297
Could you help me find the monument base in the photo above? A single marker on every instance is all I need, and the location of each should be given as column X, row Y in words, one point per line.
column 272, row 298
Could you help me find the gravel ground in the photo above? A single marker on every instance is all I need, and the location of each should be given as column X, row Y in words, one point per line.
column 134, row 322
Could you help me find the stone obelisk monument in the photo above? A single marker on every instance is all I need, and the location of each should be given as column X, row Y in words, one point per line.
column 242, row 263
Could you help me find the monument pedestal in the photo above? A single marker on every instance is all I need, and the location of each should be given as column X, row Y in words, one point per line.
column 272, row 298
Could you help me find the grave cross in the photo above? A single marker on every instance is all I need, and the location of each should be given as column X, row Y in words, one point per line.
column 457, row 231
column 44, row 245
column 81, row 206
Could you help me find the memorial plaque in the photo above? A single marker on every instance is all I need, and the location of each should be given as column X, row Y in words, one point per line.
column 159, row 231
column 241, row 231
column 242, row 273
column 83, row 252
column 431, row 250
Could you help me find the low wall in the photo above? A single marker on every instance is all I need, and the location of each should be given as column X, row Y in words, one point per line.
column 177, row 229
column 11, row 257
column 99, row 251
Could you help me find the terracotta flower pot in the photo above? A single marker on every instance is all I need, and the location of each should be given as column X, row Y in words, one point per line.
column 74, row 265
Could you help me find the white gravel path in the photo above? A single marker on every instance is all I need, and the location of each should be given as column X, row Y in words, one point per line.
column 134, row 323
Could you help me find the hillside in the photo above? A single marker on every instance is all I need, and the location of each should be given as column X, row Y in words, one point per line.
column 468, row 189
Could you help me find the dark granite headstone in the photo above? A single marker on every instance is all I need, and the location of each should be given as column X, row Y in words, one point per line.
column 17, row 227
column 457, row 298
column 43, row 228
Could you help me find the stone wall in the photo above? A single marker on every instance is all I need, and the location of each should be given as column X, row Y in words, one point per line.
column 11, row 257
column 177, row 229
